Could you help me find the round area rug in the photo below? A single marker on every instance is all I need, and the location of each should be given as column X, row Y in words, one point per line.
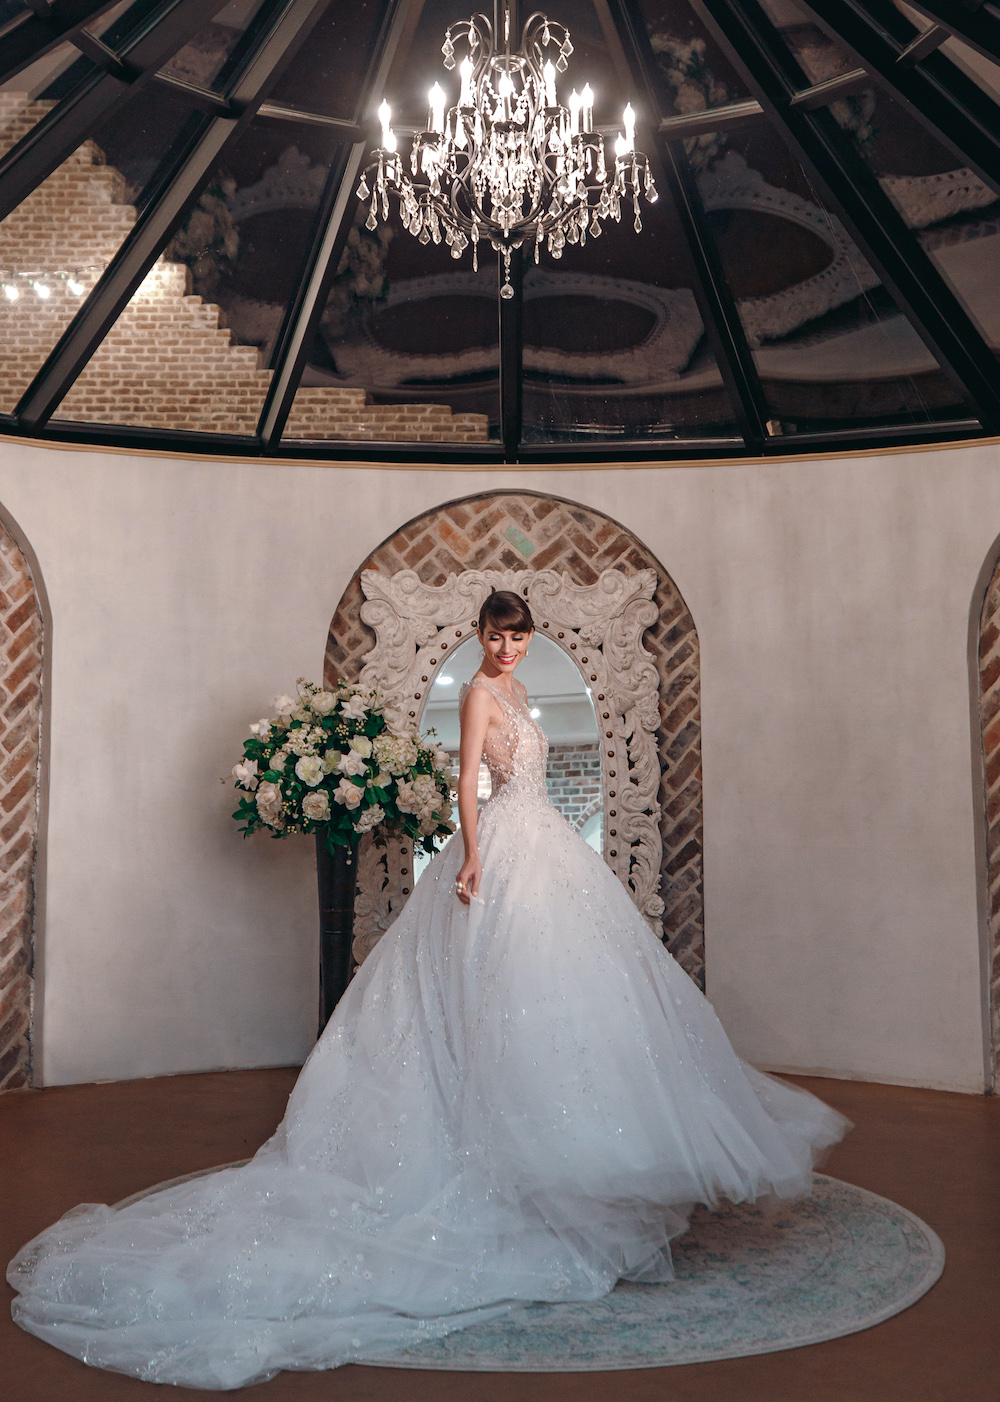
column 747, row 1282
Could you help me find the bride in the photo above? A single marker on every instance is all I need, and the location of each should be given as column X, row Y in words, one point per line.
column 519, row 1098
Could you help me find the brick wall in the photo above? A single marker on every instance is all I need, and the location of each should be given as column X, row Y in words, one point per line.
column 989, row 704
column 168, row 362
column 525, row 530
column 573, row 778
column 20, row 710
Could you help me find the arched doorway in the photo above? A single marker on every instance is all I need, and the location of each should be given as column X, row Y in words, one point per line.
column 529, row 531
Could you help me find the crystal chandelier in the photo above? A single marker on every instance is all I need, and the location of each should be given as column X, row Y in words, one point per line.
column 508, row 163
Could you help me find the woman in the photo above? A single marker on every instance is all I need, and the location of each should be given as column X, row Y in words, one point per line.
column 519, row 1098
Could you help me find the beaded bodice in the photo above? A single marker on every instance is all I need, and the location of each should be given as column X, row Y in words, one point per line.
column 516, row 750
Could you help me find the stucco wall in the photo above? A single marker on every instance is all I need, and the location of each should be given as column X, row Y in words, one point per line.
column 832, row 601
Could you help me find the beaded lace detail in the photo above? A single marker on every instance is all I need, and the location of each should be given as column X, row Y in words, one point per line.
column 516, row 750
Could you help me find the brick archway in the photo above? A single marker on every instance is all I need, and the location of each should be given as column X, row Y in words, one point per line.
column 989, row 714
column 21, row 636
column 530, row 531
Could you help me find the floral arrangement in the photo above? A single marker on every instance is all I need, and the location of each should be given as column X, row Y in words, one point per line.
column 331, row 761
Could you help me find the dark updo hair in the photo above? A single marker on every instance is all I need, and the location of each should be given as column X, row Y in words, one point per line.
column 505, row 610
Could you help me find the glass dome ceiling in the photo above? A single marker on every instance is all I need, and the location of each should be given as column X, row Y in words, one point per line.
column 184, row 264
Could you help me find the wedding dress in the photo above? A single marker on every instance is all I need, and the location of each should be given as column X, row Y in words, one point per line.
column 517, row 1100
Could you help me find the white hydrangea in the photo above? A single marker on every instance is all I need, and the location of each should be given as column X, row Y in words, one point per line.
column 395, row 752
column 369, row 818
column 419, row 796
column 301, row 743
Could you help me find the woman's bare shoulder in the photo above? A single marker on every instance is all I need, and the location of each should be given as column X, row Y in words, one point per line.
column 478, row 700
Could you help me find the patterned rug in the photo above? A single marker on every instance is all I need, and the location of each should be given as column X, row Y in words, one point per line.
column 747, row 1282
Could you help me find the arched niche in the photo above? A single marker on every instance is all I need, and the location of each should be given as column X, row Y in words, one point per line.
column 599, row 626
column 525, row 533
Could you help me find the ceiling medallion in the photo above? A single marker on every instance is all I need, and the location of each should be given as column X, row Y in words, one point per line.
column 508, row 163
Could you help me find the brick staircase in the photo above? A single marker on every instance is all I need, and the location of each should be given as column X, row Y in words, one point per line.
column 168, row 362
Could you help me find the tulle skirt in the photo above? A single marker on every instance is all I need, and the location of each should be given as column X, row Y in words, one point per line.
column 515, row 1101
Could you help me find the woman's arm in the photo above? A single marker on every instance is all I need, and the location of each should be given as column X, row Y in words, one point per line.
column 477, row 712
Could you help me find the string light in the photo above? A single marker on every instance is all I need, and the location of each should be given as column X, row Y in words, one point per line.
column 508, row 163
column 44, row 281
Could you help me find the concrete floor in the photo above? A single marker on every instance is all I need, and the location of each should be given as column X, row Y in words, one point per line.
column 937, row 1154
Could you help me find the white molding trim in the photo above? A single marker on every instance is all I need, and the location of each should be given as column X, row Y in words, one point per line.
column 600, row 628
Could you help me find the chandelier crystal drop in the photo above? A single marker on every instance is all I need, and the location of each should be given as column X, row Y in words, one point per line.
column 508, row 163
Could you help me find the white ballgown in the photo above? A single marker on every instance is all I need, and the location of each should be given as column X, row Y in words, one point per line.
column 517, row 1100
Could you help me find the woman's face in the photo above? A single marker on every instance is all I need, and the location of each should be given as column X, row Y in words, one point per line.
column 504, row 648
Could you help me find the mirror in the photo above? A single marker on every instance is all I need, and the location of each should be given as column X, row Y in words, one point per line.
column 561, row 703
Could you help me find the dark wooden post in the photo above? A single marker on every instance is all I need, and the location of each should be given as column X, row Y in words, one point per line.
column 337, row 876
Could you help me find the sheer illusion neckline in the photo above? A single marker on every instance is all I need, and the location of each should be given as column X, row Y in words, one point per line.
column 516, row 748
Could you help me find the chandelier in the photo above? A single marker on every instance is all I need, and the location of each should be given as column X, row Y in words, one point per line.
column 508, row 163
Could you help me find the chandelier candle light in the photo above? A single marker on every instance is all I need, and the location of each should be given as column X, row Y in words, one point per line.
column 508, row 163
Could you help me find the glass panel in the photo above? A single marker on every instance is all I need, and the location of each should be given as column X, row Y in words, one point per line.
column 561, row 703
column 56, row 244
column 955, row 215
column 831, row 347
column 182, row 362
column 407, row 347
column 614, row 345
column 613, row 356
column 205, row 58
column 25, row 99
column 329, row 70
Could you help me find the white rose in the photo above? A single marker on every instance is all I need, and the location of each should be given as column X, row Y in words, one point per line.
column 354, row 708
column 269, row 804
column 245, row 773
column 361, row 745
column 330, row 761
column 351, row 763
column 406, row 799
column 441, row 759
column 381, row 780
column 347, row 793
column 369, row 818
column 277, row 760
column 427, row 826
column 310, row 770
column 316, row 806
column 323, row 702
column 284, row 706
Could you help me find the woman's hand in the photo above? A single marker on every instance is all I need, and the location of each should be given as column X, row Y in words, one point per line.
column 468, row 879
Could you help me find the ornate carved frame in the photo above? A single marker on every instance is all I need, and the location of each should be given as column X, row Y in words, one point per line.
column 600, row 628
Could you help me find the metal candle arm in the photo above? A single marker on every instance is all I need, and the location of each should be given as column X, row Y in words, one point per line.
column 508, row 163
